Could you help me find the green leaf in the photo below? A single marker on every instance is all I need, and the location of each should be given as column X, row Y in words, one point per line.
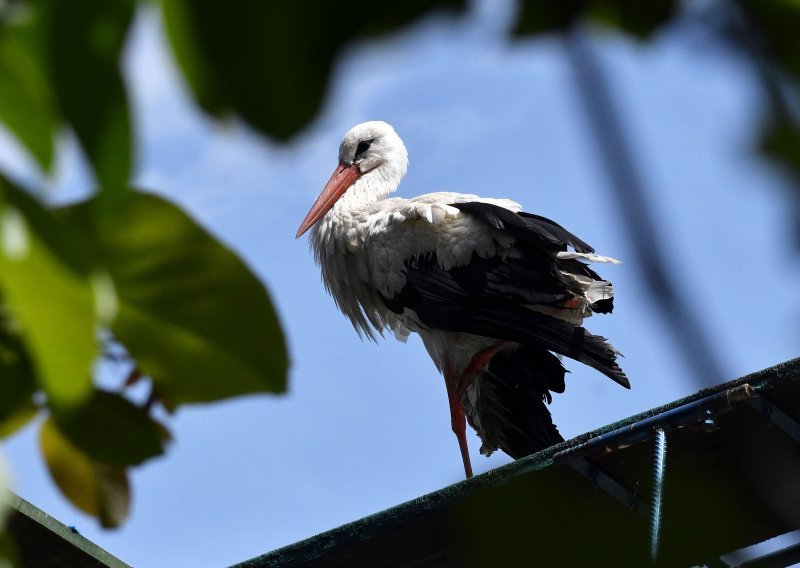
column 26, row 105
column 44, row 286
column 17, row 381
column 191, row 314
column 778, row 22
column 9, row 555
column 780, row 140
column 112, row 430
column 99, row 490
column 632, row 16
column 270, row 62
column 18, row 420
column 547, row 16
column 83, row 40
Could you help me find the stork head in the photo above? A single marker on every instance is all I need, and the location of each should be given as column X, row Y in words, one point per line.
column 372, row 161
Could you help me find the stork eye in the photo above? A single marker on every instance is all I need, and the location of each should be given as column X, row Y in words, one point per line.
column 363, row 146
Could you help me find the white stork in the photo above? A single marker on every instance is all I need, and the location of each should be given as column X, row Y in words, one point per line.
column 496, row 294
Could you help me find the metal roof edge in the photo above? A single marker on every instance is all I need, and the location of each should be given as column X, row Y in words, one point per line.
column 362, row 529
column 68, row 534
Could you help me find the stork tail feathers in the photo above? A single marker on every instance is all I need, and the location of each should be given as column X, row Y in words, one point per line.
column 512, row 410
column 562, row 337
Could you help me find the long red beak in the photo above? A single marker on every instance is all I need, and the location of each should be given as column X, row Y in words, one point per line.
column 343, row 177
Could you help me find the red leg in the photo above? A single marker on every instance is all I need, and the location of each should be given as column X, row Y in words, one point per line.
column 457, row 419
column 455, row 381
column 481, row 359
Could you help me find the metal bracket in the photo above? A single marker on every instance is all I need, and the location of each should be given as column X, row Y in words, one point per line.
column 774, row 415
column 602, row 481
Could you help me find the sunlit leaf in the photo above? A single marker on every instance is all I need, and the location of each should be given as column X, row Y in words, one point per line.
column 632, row 16
column 270, row 62
column 191, row 314
column 9, row 555
column 99, row 490
column 110, row 429
column 45, row 288
column 114, row 495
column 83, row 40
column 26, row 105
column 5, row 492
column 20, row 418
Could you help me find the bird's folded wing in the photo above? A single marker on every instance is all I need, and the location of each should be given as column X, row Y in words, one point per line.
column 450, row 300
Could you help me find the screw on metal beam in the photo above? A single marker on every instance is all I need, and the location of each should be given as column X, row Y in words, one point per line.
column 659, row 465
column 709, row 423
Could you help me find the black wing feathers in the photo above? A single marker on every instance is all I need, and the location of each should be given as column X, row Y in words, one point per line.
column 443, row 301
column 557, row 230
column 526, row 227
column 540, row 239
column 512, row 403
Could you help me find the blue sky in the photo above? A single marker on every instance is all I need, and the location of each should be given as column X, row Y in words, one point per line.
column 366, row 426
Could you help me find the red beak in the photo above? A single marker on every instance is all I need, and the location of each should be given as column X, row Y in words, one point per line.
column 343, row 177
